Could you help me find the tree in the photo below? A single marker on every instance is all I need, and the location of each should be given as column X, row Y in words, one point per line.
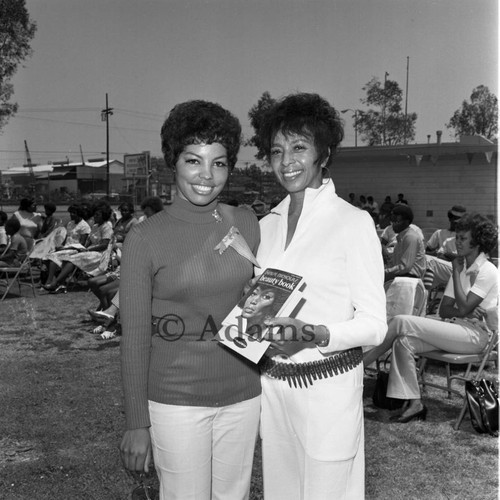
column 16, row 33
column 255, row 115
column 386, row 125
column 479, row 117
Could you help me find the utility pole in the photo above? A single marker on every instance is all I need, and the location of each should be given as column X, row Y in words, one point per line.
column 105, row 117
column 383, row 108
column 406, row 97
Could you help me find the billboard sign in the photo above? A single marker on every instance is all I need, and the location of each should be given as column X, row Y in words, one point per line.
column 136, row 165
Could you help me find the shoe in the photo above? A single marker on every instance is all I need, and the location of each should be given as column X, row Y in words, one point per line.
column 60, row 289
column 108, row 335
column 101, row 317
column 419, row 415
column 49, row 288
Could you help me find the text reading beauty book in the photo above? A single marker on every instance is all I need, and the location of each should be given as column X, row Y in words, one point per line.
column 275, row 294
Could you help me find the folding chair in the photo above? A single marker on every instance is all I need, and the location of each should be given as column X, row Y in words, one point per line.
column 405, row 296
column 434, row 297
column 11, row 275
column 487, row 355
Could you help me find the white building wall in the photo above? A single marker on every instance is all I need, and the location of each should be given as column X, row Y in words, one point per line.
column 431, row 190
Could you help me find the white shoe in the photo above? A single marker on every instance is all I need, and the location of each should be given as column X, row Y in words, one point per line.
column 108, row 334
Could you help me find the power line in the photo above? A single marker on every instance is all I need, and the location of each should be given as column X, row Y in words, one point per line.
column 56, row 110
column 152, row 116
column 143, row 114
column 53, row 120
column 93, row 110
column 57, row 121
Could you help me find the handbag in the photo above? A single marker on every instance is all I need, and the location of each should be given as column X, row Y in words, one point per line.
column 482, row 400
column 379, row 398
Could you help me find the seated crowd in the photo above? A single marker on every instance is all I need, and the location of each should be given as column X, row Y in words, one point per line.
column 457, row 259
column 105, row 286
column 90, row 243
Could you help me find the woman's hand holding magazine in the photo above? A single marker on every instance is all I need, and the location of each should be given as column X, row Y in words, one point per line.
column 289, row 336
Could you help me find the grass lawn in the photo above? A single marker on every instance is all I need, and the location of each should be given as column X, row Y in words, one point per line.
column 61, row 419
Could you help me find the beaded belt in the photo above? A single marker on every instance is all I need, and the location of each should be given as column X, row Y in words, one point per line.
column 307, row 373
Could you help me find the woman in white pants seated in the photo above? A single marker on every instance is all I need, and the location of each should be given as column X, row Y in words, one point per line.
column 470, row 293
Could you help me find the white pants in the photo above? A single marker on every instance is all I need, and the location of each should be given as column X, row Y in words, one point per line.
column 204, row 453
column 416, row 335
column 313, row 439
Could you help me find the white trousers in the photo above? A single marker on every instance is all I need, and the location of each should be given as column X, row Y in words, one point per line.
column 313, row 439
column 415, row 335
column 204, row 453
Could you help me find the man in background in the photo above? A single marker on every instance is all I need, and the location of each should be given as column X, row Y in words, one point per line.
column 408, row 258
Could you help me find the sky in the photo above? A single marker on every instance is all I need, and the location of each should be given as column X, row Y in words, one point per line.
column 149, row 55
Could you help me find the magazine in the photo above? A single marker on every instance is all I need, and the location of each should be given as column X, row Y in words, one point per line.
column 276, row 293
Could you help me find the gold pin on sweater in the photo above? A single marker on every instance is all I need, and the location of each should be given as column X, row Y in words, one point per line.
column 217, row 216
column 235, row 240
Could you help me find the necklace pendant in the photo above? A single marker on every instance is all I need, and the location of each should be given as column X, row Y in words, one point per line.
column 217, row 216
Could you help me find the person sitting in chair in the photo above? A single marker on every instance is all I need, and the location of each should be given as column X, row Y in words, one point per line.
column 89, row 258
column 436, row 244
column 106, row 287
column 50, row 221
column 4, row 239
column 16, row 251
column 408, row 258
column 441, row 250
column 124, row 223
column 29, row 219
column 77, row 232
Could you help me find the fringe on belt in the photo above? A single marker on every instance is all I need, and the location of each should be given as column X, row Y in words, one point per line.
column 304, row 374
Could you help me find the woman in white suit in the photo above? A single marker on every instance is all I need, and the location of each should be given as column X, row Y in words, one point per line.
column 312, row 411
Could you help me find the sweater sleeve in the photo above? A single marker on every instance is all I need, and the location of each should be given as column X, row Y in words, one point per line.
column 136, row 283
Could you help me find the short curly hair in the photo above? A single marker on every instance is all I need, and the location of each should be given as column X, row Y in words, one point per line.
column 484, row 233
column 26, row 203
column 79, row 210
column 104, row 207
column 405, row 211
column 199, row 122
column 302, row 114
column 50, row 207
column 128, row 205
column 154, row 203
